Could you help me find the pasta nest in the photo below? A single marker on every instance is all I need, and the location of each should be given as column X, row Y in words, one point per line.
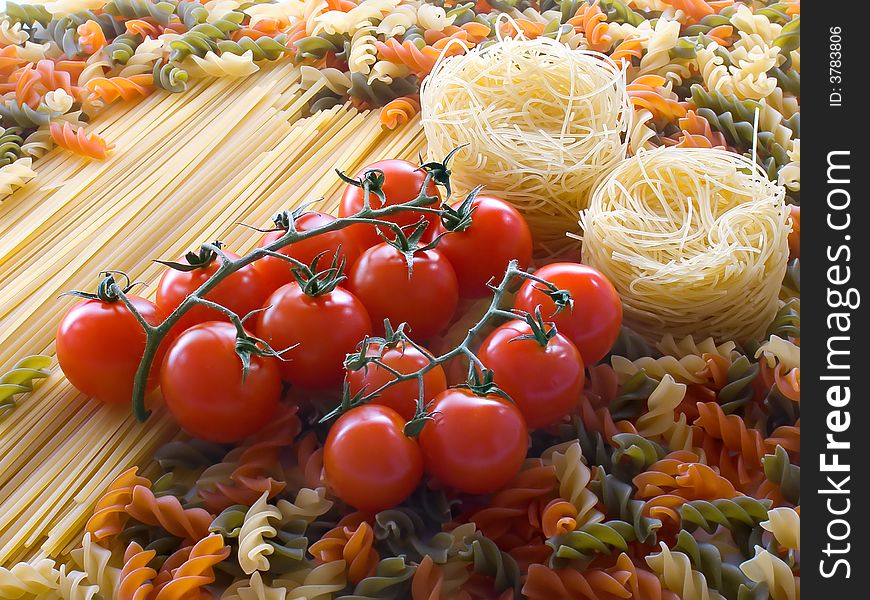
column 540, row 123
column 695, row 240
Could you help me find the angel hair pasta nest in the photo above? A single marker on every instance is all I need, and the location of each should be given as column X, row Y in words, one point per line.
column 540, row 123
column 694, row 240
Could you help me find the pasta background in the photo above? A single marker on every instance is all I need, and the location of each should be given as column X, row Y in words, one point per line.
column 690, row 442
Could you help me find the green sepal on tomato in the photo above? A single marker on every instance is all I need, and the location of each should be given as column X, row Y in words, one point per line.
column 482, row 234
column 328, row 246
column 425, row 298
column 402, row 182
column 593, row 321
column 100, row 345
column 545, row 381
column 208, row 390
column 318, row 332
column 242, row 292
column 368, row 460
column 474, row 444
column 401, row 397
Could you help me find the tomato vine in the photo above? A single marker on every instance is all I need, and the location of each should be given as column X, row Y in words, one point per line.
column 371, row 182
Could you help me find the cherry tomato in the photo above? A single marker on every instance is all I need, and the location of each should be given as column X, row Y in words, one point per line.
column 794, row 238
column 596, row 318
column 403, row 181
column 278, row 272
column 326, row 328
column 497, row 235
column 242, row 292
column 205, row 388
column 100, row 345
column 425, row 301
column 474, row 444
column 401, row 397
column 545, row 382
column 369, row 462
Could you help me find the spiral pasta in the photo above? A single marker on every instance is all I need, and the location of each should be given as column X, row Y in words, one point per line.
column 227, row 64
column 135, row 579
column 195, row 572
column 767, row 568
column 253, row 549
column 353, row 545
column 399, row 111
column 785, row 525
column 93, row 559
column 40, row 577
column 78, row 141
column 316, row 583
column 110, row 512
column 142, row 60
column 308, row 505
column 677, row 574
column 11, row 34
column 574, row 477
column 19, row 379
column 167, row 512
column 338, row 21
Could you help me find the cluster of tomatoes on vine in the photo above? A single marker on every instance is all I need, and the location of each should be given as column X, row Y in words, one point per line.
column 321, row 321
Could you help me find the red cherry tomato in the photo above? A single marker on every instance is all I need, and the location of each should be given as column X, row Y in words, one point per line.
column 497, row 235
column 278, row 272
column 474, row 444
column 596, row 318
column 369, row 462
column 545, row 382
column 401, row 397
column 403, row 182
column 205, row 389
column 326, row 328
column 100, row 344
column 242, row 292
column 425, row 301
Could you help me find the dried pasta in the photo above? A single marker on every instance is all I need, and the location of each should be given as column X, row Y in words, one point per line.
column 460, row 94
column 661, row 446
column 720, row 253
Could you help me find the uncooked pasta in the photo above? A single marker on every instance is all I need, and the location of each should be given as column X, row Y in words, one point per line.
column 693, row 239
column 540, row 123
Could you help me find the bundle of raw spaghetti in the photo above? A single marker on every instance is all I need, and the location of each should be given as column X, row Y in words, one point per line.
column 695, row 241
column 540, row 123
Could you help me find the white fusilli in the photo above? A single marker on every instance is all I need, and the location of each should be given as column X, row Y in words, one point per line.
column 675, row 571
column 12, row 34
column 745, row 21
column 308, row 505
column 777, row 350
column 770, row 569
column 143, row 59
column 386, row 71
column 785, row 525
column 790, row 174
column 253, row 549
column 285, row 12
column 225, row 65
column 433, row 17
column 363, row 52
column 397, row 21
column 15, row 175
column 331, row 78
column 62, row 8
column 338, row 22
